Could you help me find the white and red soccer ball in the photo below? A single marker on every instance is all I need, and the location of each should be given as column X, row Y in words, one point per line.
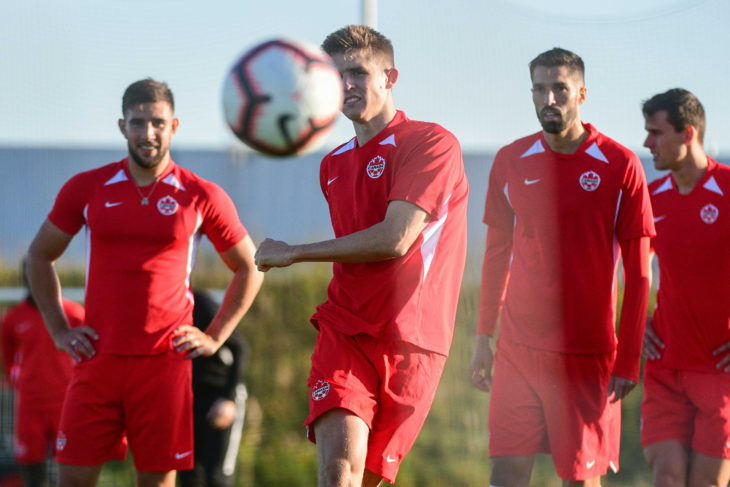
column 282, row 97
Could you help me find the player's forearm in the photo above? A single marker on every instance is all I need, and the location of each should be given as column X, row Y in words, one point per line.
column 238, row 298
column 46, row 290
column 637, row 270
column 495, row 271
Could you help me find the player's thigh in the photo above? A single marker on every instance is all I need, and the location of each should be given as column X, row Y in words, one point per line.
column 78, row 476
column 516, row 416
column 709, row 394
column 668, row 461
column 156, row 479
column 666, row 411
column 512, row 470
column 409, row 380
column 91, row 429
column 158, row 403
column 341, row 436
column 705, row 470
column 583, row 426
column 342, row 377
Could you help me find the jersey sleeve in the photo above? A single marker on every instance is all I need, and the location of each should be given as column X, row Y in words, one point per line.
column 497, row 208
column 430, row 171
column 68, row 210
column 635, row 218
column 220, row 219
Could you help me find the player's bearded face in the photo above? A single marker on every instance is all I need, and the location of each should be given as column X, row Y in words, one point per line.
column 557, row 94
column 148, row 128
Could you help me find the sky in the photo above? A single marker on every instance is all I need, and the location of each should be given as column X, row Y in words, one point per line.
column 64, row 64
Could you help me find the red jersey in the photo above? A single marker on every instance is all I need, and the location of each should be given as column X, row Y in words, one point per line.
column 412, row 298
column 140, row 256
column 566, row 214
column 37, row 370
column 693, row 248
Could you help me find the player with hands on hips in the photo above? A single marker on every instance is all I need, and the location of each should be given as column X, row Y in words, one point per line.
column 685, row 414
column 562, row 205
column 397, row 197
column 144, row 216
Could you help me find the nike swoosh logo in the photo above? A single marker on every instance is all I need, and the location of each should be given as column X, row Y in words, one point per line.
column 178, row 456
column 390, row 459
column 330, row 181
column 659, row 218
column 531, row 181
column 590, row 464
column 109, row 205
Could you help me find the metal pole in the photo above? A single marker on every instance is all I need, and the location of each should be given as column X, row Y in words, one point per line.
column 370, row 13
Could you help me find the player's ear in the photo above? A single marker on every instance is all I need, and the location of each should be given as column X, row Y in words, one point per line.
column 582, row 94
column 175, row 123
column 689, row 134
column 392, row 77
column 123, row 127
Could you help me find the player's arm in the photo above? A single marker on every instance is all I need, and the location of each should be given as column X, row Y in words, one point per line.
column 48, row 245
column 637, row 270
column 7, row 347
column 238, row 298
column 391, row 238
column 653, row 345
column 495, row 271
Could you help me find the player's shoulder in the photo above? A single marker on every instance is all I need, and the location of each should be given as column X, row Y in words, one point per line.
column 523, row 147
column 419, row 131
column 721, row 172
column 99, row 175
column 660, row 184
column 341, row 149
column 187, row 180
column 612, row 150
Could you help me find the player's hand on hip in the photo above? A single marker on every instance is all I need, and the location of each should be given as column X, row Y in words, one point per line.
column 618, row 387
column 724, row 351
column 193, row 342
column 653, row 345
column 222, row 413
column 78, row 342
column 481, row 363
column 273, row 253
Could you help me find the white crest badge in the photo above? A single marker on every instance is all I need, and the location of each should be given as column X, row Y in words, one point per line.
column 60, row 441
column 709, row 213
column 320, row 390
column 376, row 166
column 167, row 205
column 589, row 180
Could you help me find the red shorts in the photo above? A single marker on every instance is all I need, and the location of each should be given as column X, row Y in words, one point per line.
column 550, row 402
column 691, row 407
column 36, row 426
column 145, row 400
column 388, row 384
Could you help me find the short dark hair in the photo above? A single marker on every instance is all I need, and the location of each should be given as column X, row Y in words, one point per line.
column 683, row 109
column 146, row 90
column 354, row 37
column 559, row 57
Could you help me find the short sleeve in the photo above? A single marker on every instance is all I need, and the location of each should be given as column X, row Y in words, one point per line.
column 430, row 171
column 220, row 219
column 635, row 218
column 68, row 210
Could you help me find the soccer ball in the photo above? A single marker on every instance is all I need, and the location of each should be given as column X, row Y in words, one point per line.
column 282, row 97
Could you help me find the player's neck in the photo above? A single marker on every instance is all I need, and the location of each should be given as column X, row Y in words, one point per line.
column 567, row 141
column 691, row 171
column 144, row 176
column 367, row 130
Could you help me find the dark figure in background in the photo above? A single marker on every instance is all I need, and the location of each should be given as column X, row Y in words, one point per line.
column 219, row 404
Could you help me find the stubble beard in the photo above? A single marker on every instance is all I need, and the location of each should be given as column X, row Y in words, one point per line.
column 143, row 163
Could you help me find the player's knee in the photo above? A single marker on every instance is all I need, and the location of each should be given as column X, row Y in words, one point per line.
column 669, row 477
column 340, row 472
